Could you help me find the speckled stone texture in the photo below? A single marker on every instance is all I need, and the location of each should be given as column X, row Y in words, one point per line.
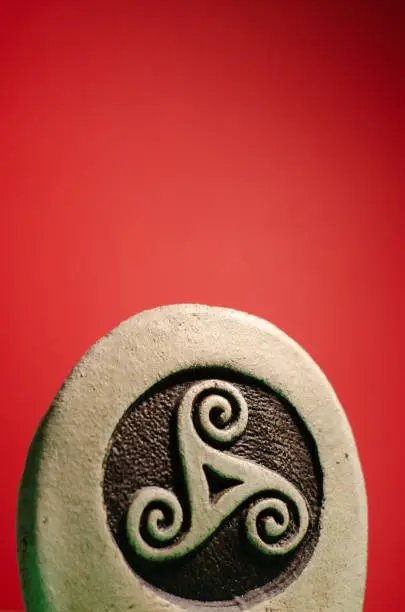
column 113, row 431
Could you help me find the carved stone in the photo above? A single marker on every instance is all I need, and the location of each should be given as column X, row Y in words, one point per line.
column 195, row 458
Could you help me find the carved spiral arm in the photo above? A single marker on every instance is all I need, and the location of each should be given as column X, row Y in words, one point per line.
column 275, row 517
column 161, row 526
column 233, row 414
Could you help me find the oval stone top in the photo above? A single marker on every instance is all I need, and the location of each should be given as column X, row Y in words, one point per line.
column 195, row 458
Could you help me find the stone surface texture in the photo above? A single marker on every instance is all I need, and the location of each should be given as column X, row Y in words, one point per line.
column 83, row 543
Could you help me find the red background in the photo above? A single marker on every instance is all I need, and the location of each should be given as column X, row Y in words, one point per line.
column 247, row 154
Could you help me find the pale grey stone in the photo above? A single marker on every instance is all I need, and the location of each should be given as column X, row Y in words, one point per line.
column 69, row 559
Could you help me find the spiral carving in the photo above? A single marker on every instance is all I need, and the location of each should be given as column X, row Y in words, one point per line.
column 276, row 520
column 162, row 526
column 232, row 413
column 155, row 518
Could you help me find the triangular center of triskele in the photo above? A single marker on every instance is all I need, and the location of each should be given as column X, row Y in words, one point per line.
column 218, row 484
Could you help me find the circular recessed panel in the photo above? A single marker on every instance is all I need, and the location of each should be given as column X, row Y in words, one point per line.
column 221, row 562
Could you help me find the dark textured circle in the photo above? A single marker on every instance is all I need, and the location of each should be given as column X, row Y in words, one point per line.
column 143, row 452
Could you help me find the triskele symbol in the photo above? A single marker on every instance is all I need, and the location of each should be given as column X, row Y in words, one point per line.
column 155, row 517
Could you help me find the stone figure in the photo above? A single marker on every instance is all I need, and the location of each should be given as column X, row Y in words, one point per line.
column 196, row 458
